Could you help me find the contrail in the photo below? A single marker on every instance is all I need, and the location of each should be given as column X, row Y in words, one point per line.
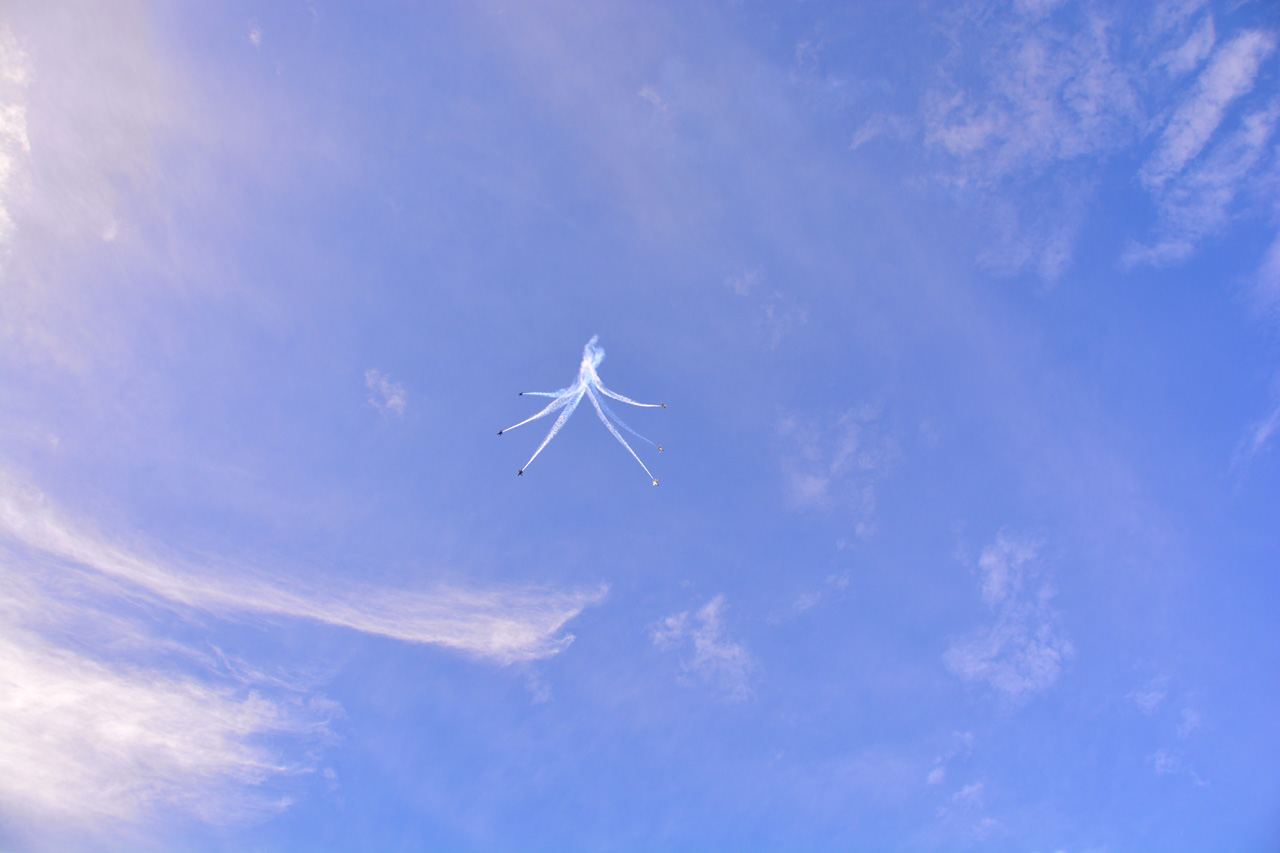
column 588, row 383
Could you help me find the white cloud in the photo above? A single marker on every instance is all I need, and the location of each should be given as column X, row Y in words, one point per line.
column 875, row 127
column 1045, row 97
column 14, row 142
column 107, row 715
column 1165, row 763
column 384, row 395
column 1020, row 654
column 1188, row 55
column 1170, row 764
column 806, row 601
column 1029, row 133
column 706, row 650
column 1197, row 203
column 503, row 624
column 962, row 743
column 1259, row 435
column 1004, row 566
column 836, row 585
column 965, row 809
column 1150, row 697
column 1191, row 721
column 104, row 722
column 868, row 131
column 1230, row 74
column 654, row 98
column 81, row 740
column 1023, row 652
column 1172, row 14
column 838, row 466
column 782, row 316
column 1049, row 97
column 1040, row 231
column 1036, row 8
column 969, row 795
column 745, row 284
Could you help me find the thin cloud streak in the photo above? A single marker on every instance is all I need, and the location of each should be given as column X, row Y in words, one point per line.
column 1258, row 436
column 1188, row 56
column 14, row 142
column 502, row 624
column 108, row 719
column 1198, row 202
column 1230, row 74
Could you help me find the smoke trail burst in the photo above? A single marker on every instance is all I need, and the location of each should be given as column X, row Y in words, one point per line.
column 567, row 399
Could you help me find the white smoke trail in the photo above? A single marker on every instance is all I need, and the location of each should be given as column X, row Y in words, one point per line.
column 587, row 383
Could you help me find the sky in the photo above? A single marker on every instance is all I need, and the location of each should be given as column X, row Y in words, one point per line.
column 967, row 320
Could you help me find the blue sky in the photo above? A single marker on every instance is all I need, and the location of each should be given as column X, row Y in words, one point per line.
column 966, row 318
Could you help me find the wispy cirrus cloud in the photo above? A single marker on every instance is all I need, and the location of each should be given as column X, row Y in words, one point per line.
column 1258, row 436
column 1019, row 136
column 14, row 142
column 1169, row 15
column 106, row 719
column 1029, row 134
column 1036, row 103
column 707, row 652
column 1046, row 94
column 1023, row 651
column 109, row 711
column 1230, row 74
column 1187, row 56
column 82, row 740
column 1198, row 202
column 502, row 624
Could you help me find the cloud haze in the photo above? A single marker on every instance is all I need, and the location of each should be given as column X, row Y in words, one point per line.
column 707, row 652
column 1023, row 651
column 384, row 394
